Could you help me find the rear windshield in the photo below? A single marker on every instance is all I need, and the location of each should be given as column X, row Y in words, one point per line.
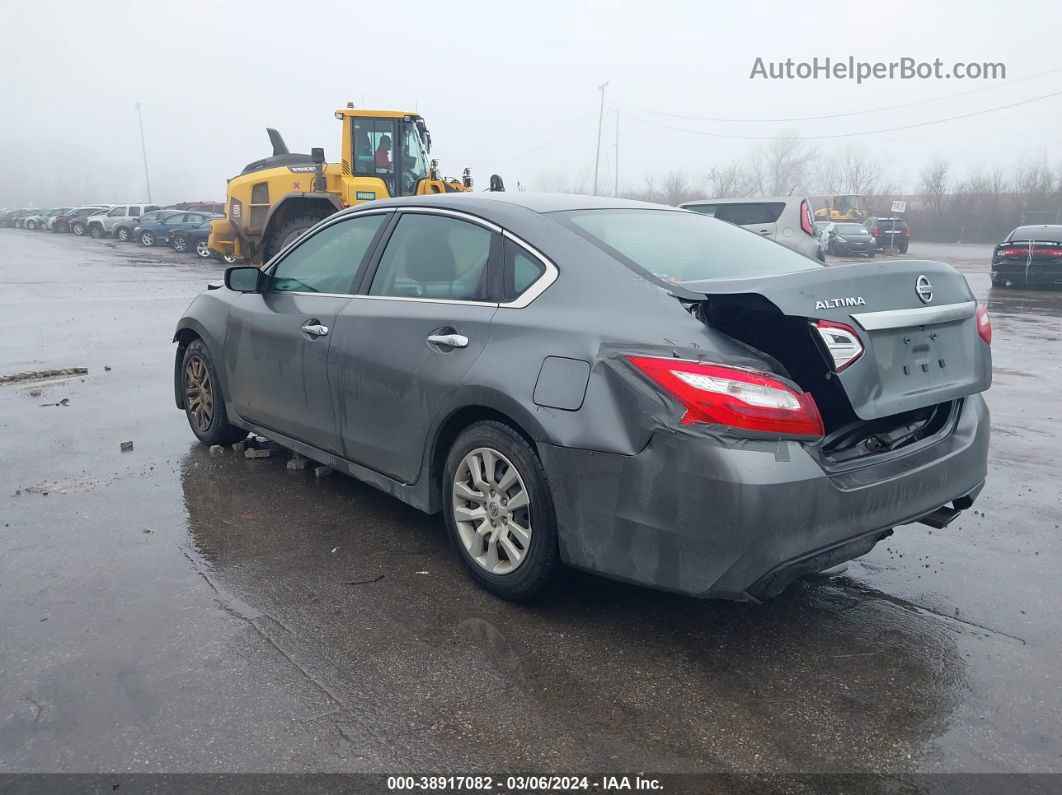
column 1049, row 232
column 683, row 247
column 744, row 213
column 849, row 229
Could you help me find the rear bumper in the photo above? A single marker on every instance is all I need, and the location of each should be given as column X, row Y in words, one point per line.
column 711, row 516
column 1036, row 273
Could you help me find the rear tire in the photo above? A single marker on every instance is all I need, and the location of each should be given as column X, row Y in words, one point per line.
column 123, row 234
column 147, row 239
column 95, row 231
column 202, row 249
column 287, row 232
column 180, row 245
column 78, row 229
column 204, row 404
column 510, row 551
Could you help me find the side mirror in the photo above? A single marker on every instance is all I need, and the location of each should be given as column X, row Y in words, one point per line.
column 317, row 154
column 243, row 278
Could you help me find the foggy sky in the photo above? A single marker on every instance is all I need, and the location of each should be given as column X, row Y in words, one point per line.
column 496, row 81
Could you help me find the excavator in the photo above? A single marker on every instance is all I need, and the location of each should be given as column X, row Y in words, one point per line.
column 847, row 207
column 385, row 153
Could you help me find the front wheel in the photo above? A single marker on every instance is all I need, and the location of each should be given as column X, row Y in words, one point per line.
column 96, row 232
column 78, row 229
column 499, row 511
column 180, row 245
column 202, row 249
column 288, row 233
column 123, row 234
column 204, row 405
column 147, row 239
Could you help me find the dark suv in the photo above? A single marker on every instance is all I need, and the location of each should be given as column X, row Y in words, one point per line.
column 890, row 232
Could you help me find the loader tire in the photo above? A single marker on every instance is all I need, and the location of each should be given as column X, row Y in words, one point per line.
column 287, row 232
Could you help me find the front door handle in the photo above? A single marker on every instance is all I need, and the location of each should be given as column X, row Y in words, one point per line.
column 452, row 340
column 315, row 329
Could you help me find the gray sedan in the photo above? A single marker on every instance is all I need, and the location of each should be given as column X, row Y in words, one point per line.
column 626, row 388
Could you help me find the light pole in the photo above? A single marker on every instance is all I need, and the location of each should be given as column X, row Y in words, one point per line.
column 600, row 122
column 143, row 149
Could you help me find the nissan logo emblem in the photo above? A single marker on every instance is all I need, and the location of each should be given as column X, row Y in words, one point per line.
column 924, row 289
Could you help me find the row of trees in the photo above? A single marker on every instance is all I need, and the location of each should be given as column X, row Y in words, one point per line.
column 982, row 206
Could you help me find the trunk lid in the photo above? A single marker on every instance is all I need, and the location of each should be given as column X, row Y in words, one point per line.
column 915, row 321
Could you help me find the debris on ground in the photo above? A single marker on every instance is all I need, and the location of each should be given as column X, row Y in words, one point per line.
column 322, row 472
column 377, row 578
column 126, row 447
column 216, row 451
column 37, row 375
column 36, row 392
column 420, row 572
column 63, row 402
column 257, row 452
column 298, row 462
column 107, row 368
column 239, row 447
column 335, row 550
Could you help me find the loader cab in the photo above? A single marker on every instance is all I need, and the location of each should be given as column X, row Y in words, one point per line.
column 386, row 147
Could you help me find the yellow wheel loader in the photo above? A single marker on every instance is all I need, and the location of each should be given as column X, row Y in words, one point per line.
column 848, row 207
column 275, row 199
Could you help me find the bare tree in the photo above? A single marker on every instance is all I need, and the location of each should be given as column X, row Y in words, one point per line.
column 851, row 170
column 783, row 166
column 732, row 181
column 677, row 188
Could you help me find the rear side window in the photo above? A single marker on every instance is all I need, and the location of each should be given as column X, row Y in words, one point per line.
column 328, row 261
column 432, row 256
column 678, row 246
column 520, row 272
column 742, row 214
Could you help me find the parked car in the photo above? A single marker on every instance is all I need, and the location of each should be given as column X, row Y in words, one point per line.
column 80, row 217
column 624, row 387
column 784, row 219
column 62, row 223
column 889, row 232
column 196, row 240
column 125, row 229
column 1029, row 255
column 101, row 225
column 847, row 238
column 39, row 219
column 52, row 216
column 25, row 215
column 13, row 218
column 819, row 229
column 158, row 230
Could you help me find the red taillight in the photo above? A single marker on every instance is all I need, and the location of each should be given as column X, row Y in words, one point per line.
column 738, row 398
column 1041, row 251
column 907, row 231
column 1014, row 252
column 805, row 219
column 842, row 342
column 875, row 230
column 984, row 324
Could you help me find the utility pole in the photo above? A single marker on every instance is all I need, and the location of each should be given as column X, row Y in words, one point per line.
column 600, row 122
column 143, row 149
column 616, row 191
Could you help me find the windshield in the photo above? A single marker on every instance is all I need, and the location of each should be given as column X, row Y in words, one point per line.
column 684, row 247
column 414, row 158
column 849, row 229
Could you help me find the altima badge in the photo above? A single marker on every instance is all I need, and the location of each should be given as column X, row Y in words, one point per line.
column 924, row 289
column 834, row 303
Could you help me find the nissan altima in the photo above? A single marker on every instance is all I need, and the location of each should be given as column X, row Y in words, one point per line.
column 622, row 387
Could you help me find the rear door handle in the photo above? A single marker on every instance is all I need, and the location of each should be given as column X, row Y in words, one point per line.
column 452, row 340
column 315, row 329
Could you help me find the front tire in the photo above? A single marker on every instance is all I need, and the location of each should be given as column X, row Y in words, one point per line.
column 78, row 229
column 204, row 404
column 147, row 239
column 123, row 234
column 180, row 245
column 202, row 249
column 499, row 511
column 95, row 232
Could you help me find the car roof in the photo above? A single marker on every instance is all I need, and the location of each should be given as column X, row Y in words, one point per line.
column 1038, row 229
column 536, row 202
column 745, row 200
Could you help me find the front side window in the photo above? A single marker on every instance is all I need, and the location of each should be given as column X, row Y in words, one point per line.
column 177, row 218
column 432, row 256
column 683, row 247
column 328, row 261
column 116, row 212
column 374, row 141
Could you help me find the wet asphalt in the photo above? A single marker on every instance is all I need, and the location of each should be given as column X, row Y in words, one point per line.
column 163, row 610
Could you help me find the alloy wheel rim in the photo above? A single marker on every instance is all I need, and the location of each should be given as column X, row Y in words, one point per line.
column 123, row 234
column 198, row 392
column 147, row 239
column 492, row 510
column 202, row 249
column 178, row 244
